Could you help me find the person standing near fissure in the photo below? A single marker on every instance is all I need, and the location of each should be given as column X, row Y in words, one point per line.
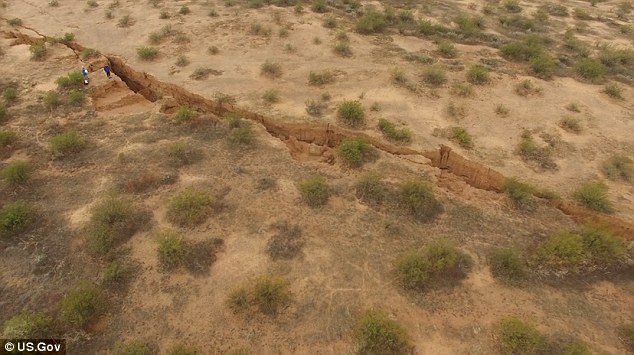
column 84, row 73
column 107, row 70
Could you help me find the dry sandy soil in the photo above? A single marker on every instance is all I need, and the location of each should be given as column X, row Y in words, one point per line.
column 345, row 266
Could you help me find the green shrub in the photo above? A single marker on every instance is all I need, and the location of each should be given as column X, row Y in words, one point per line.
column 314, row 107
column 7, row 138
column 3, row 113
column 72, row 79
column 270, row 293
column 92, row 3
column 184, row 114
column 354, row 152
column 257, row 29
column 518, row 337
column 16, row 172
column 478, row 74
column 114, row 272
column 529, row 47
column 271, row 69
column 171, row 249
column 26, row 325
column 184, row 10
column 463, row 137
column 76, row 97
column 542, row 66
column 132, row 347
column 67, row 143
column 51, row 99
column 81, row 304
column 602, row 247
column 590, row 69
column 112, row 220
column 392, row 133
column 531, row 151
column 519, row 23
column 183, row 153
column 182, row 61
column 627, row 334
column 271, row 96
column 371, row 22
column 581, row 14
column 564, row 250
column 147, row 53
column 571, row 124
column 573, row 107
column 241, row 136
column 616, row 167
column 125, row 21
column 213, row 50
column 447, row 49
column 434, row 75
column 10, row 94
column 594, row 195
column 375, row 333
column 342, row 48
column 15, row 22
column 507, row 264
column 575, row 348
column 351, row 113
column 182, row 350
column 319, row 6
column 315, row 191
column 614, row 90
column 321, row 78
column 512, row 6
column 520, row 193
column 412, row 270
column 526, row 87
column 417, row 198
column 370, row 188
column 15, row 217
column 38, row 51
column 555, row 9
column 330, row 22
column 239, row 300
column 439, row 262
column 88, row 53
column 190, row 207
column 469, row 25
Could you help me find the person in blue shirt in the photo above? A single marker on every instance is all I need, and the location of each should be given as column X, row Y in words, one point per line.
column 84, row 72
column 107, row 70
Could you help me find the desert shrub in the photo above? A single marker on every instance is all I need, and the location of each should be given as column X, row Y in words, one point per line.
column 594, row 195
column 184, row 114
column 72, row 79
column 147, row 53
column 7, row 138
column 441, row 261
column 462, row 89
column 330, row 22
column 319, row 6
column 257, row 29
column 508, row 265
column 113, row 273
column 542, row 66
column 529, row 47
column 392, row 133
column 271, row 96
column 614, row 57
column 314, row 107
column 371, row 189
column 555, row 9
column 15, row 217
column 271, row 69
column 399, row 76
column 213, row 50
column 419, row 58
column 81, row 304
column 526, row 87
column 76, row 97
column 88, row 53
column 562, row 250
column 617, row 167
column 10, row 94
column 182, row 350
column 315, row 191
column 614, row 90
column 371, row 22
column 182, row 61
column 529, row 150
column 321, row 78
column 171, row 248
column 201, row 73
column 573, row 107
column 375, row 333
column 92, row 3
column 125, row 21
column 434, row 75
column 518, row 337
column 571, row 124
column 342, row 48
column 519, row 23
column 67, row 38
column 520, row 193
column 575, row 348
column 190, row 207
column 590, row 69
column 287, row 242
column 38, row 51
column 112, row 220
column 26, row 325
column 429, row 28
column 351, row 113
column 132, row 347
column 183, row 153
column 455, row 111
column 627, row 334
column 412, row 270
column 478, row 74
column 241, row 136
column 447, row 49
column 469, row 25
column 53, row 3
column 184, row 10
column 67, row 143
column 417, row 198
column 581, row 14
column 268, row 293
column 602, row 247
column 15, row 21
column 460, row 135
column 16, row 172
column 354, row 152
column 512, row 6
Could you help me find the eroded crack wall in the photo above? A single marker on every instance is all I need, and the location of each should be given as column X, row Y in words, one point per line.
column 473, row 173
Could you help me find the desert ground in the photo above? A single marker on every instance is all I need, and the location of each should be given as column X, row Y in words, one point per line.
column 232, row 188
